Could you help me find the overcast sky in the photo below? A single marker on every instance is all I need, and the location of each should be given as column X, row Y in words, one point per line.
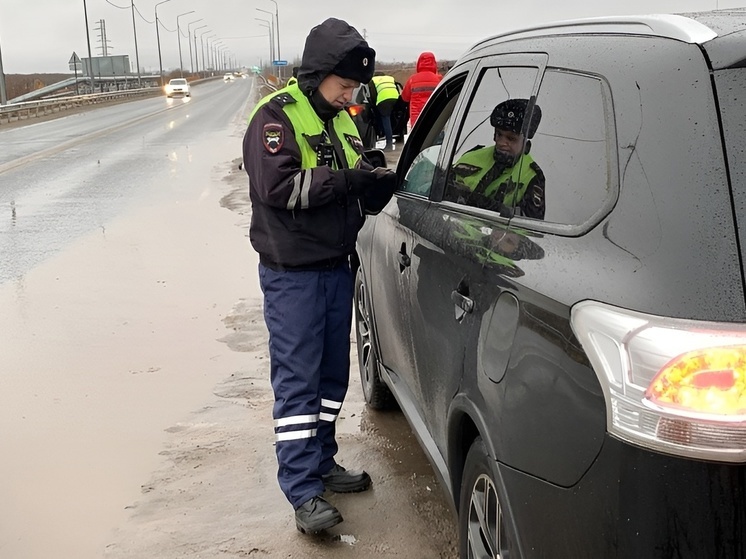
column 41, row 35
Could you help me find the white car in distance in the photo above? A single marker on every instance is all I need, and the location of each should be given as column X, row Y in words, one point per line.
column 177, row 87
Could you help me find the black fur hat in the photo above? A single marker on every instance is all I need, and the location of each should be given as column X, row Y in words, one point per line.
column 508, row 115
column 358, row 64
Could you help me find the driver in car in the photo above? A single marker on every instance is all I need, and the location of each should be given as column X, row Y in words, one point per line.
column 503, row 177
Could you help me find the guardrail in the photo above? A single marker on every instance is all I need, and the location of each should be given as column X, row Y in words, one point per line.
column 34, row 109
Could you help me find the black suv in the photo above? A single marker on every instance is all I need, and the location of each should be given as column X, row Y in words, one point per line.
column 578, row 378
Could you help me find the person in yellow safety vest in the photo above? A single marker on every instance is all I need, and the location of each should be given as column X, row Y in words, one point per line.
column 311, row 189
column 384, row 93
column 503, row 177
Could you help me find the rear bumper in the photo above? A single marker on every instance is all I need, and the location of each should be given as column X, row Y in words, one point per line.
column 633, row 503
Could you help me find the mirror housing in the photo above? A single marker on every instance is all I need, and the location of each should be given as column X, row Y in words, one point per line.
column 375, row 157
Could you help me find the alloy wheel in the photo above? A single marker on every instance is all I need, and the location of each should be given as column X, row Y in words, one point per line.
column 485, row 530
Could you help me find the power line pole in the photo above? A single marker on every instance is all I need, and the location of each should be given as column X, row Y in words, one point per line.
column 88, row 40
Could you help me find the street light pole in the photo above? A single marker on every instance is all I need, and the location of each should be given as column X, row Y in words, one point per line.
column 277, row 18
column 137, row 54
column 158, row 39
column 201, row 49
column 88, row 39
column 178, row 36
column 3, row 92
column 206, row 52
column 271, row 21
column 189, row 36
column 269, row 29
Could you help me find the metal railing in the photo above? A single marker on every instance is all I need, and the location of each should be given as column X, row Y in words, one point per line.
column 33, row 109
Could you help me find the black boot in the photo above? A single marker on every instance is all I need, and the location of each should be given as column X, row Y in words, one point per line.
column 340, row 480
column 315, row 515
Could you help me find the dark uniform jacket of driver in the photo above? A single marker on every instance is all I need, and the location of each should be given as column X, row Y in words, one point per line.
column 301, row 218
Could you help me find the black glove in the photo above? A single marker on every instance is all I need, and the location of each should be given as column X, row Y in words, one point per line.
column 359, row 181
column 376, row 187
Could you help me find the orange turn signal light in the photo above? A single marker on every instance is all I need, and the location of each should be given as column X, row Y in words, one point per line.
column 709, row 381
column 355, row 110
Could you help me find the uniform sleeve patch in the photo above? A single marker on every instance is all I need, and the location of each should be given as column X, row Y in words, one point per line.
column 273, row 136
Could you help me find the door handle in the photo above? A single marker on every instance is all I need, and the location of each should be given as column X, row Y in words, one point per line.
column 462, row 301
column 404, row 260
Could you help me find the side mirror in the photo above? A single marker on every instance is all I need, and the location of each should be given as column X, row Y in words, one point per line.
column 375, row 157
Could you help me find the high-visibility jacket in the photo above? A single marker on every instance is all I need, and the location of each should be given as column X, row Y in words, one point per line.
column 297, row 220
column 307, row 124
column 512, row 182
column 385, row 88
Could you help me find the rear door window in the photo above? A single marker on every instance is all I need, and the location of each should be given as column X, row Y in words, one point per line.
column 491, row 167
column 574, row 147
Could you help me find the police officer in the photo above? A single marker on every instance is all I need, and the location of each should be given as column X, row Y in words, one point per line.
column 504, row 177
column 384, row 94
column 310, row 189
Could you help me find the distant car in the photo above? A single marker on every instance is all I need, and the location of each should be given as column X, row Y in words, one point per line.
column 365, row 119
column 178, row 87
column 229, row 77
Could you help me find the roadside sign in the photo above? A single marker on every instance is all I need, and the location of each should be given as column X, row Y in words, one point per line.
column 74, row 63
column 279, row 63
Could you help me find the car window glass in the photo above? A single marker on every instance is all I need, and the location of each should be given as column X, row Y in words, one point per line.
column 481, row 175
column 571, row 146
column 421, row 172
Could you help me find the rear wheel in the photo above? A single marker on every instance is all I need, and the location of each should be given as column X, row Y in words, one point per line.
column 481, row 522
column 377, row 394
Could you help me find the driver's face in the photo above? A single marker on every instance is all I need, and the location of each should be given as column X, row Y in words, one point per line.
column 508, row 142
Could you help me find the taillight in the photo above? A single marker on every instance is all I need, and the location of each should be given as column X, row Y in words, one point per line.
column 671, row 385
column 709, row 381
column 355, row 110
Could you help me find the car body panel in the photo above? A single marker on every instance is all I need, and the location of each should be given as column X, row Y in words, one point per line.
column 476, row 334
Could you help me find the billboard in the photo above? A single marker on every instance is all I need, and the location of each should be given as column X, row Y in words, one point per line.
column 107, row 65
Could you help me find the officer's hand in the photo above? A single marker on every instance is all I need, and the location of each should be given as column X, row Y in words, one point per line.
column 358, row 180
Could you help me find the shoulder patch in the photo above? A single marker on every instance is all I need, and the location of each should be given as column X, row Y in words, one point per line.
column 465, row 170
column 273, row 136
column 283, row 99
column 356, row 143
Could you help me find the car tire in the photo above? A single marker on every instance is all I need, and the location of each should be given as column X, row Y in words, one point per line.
column 376, row 392
column 481, row 522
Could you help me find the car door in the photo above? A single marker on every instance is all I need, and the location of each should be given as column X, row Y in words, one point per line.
column 463, row 257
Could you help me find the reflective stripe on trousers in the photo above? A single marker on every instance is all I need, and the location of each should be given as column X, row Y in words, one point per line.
column 309, row 316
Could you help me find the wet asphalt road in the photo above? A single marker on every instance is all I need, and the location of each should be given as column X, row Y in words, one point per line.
column 118, row 266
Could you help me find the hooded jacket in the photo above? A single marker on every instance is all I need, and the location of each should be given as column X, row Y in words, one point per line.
column 326, row 45
column 303, row 215
column 421, row 85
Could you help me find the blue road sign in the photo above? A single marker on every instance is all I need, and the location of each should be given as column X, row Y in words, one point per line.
column 279, row 63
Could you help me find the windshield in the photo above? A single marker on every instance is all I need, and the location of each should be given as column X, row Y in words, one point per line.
column 178, row 82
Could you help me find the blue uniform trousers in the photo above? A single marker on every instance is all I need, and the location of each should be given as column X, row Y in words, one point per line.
column 309, row 316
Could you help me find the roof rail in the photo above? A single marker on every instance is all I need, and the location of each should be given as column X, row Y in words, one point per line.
column 673, row 26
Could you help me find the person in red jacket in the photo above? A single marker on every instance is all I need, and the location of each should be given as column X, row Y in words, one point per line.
column 420, row 85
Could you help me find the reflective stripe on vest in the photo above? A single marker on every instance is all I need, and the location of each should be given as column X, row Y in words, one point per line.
column 521, row 174
column 306, row 122
column 385, row 88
